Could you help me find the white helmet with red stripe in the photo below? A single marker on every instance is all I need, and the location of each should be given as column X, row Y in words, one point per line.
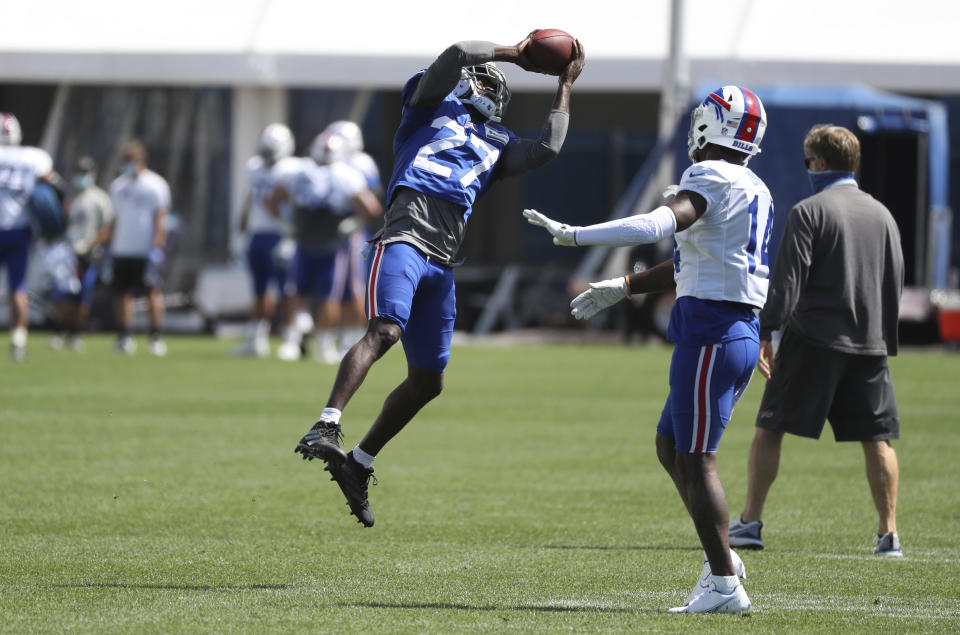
column 9, row 130
column 731, row 116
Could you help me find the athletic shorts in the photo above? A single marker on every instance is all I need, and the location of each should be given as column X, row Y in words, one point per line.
column 130, row 274
column 264, row 267
column 705, row 384
column 14, row 254
column 414, row 292
column 319, row 274
column 810, row 384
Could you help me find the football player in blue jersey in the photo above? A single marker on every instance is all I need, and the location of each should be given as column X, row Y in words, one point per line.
column 450, row 146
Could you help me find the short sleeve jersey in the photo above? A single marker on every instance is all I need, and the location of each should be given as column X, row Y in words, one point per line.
column 365, row 164
column 136, row 202
column 322, row 197
column 262, row 179
column 20, row 167
column 442, row 152
column 723, row 255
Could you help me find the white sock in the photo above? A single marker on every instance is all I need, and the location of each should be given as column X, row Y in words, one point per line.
column 18, row 336
column 361, row 457
column 261, row 329
column 330, row 414
column 725, row 583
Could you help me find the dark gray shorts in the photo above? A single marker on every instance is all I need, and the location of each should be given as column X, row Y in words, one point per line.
column 811, row 384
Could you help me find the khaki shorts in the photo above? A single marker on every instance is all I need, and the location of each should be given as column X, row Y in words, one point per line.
column 810, row 385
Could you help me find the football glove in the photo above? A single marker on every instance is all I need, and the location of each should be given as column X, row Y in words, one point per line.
column 599, row 296
column 563, row 235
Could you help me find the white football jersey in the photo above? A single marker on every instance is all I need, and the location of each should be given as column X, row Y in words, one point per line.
column 263, row 178
column 365, row 163
column 723, row 255
column 136, row 202
column 329, row 186
column 20, row 167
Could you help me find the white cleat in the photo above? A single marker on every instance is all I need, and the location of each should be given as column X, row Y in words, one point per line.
column 252, row 348
column 289, row 351
column 713, row 601
column 125, row 346
column 703, row 583
column 158, row 348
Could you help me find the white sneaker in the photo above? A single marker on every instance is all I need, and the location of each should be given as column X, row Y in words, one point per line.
column 158, row 348
column 252, row 348
column 703, row 583
column 57, row 342
column 76, row 344
column 126, row 346
column 289, row 351
column 713, row 601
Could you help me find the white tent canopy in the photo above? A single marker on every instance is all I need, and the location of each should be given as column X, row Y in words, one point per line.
column 377, row 43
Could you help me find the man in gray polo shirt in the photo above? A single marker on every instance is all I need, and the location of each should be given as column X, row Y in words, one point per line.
column 835, row 293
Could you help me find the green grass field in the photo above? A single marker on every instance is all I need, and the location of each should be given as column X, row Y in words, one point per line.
column 163, row 495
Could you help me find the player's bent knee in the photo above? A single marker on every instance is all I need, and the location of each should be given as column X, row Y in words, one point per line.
column 427, row 384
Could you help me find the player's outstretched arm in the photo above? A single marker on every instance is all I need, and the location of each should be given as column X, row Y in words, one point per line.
column 640, row 229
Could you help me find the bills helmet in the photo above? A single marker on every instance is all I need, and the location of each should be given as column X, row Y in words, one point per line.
column 9, row 130
column 276, row 142
column 732, row 117
column 350, row 132
column 485, row 88
column 329, row 147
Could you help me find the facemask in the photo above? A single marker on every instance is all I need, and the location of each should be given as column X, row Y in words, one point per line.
column 82, row 181
column 822, row 180
column 128, row 168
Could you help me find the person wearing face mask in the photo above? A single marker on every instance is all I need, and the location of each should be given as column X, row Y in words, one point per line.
column 91, row 213
column 835, row 293
column 138, row 235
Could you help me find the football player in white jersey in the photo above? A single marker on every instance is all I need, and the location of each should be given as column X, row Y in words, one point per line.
column 324, row 193
column 20, row 169
column 346, row 144
column 265, row 170
column 721, row 219
column 141, row 202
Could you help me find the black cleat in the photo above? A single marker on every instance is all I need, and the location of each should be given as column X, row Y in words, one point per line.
column 322, row 442
column 353, row 479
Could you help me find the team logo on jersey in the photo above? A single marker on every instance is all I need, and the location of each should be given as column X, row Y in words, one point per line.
column 496, row 135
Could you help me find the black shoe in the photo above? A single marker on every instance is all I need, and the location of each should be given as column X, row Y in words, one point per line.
column 353, row 479
column 322, row 442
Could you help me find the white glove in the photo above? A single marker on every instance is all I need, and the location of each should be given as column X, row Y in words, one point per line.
column 600, row 295
column 563, row 235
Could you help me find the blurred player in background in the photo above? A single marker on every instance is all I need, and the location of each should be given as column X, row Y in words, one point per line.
column 21, row 167
column 835, row 292
column 353, row 321
column 449, row 148
column 265, row 170
column 720, row 218
column 91, row 213
column 141, row 200
column 324, row 192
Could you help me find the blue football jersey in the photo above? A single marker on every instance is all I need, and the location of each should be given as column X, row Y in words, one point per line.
column 442, row 152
